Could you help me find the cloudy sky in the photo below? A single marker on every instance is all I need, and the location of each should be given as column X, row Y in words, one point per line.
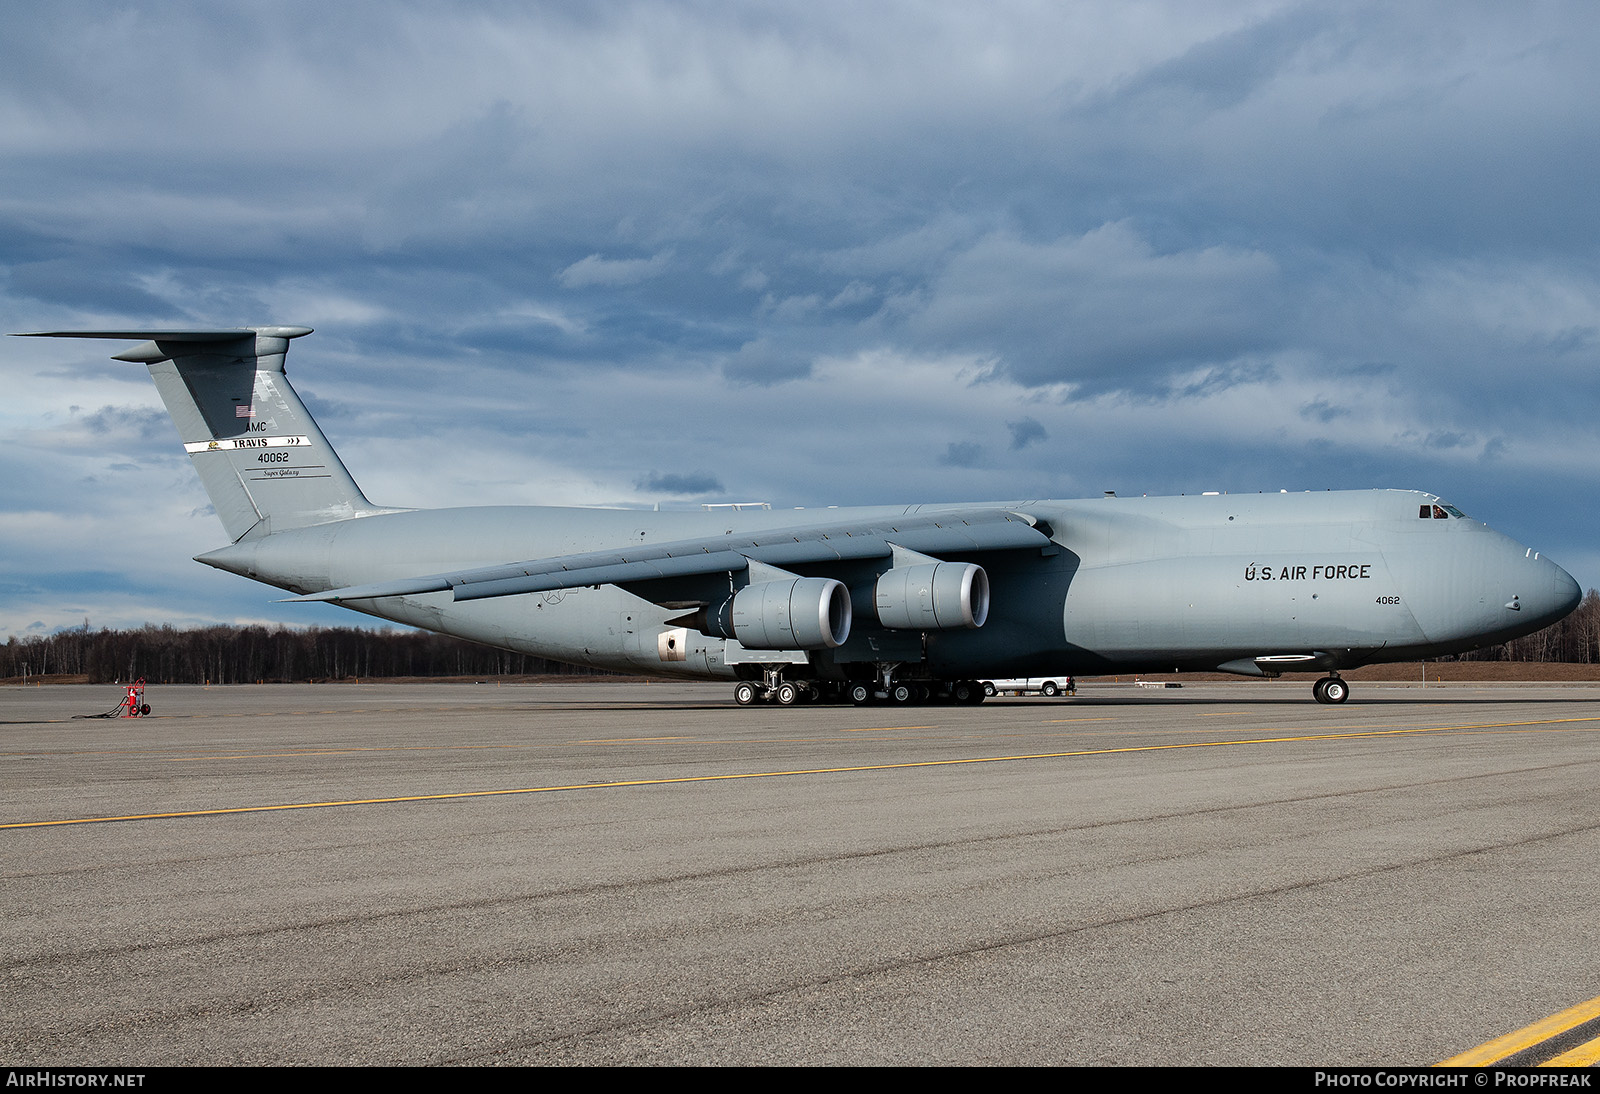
column 810, row 253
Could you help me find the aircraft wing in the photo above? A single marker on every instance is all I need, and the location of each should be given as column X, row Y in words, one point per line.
column 948, row 532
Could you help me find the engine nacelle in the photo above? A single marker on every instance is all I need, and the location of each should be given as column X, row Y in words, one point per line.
column 806, row 613
column 933, row 596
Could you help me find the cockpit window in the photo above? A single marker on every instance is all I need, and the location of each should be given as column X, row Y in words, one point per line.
column 1454, row 512
column 1439, row 512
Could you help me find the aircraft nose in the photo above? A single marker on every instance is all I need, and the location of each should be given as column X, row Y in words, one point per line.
column 1543, row 590
column 1546, row 592
column 1490, row 589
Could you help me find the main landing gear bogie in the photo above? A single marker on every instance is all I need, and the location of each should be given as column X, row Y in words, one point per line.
column 917, row 692
column 1331, row 690
column 772, row 688
column 787, row 693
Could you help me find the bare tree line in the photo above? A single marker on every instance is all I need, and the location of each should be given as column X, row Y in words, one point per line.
column 1574, row 640
column 237, row 655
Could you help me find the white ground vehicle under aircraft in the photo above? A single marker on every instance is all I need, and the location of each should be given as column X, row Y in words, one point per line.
column 902, row 602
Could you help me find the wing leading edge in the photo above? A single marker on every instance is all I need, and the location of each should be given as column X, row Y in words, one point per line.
column 953, row 532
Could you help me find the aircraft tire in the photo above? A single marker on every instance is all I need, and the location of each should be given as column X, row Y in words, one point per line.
column 1330, row 689
column 860, row 694
column 1049, row 690
column 902, row 694
column 961, row 692
column 787, row 695
column 745, row 693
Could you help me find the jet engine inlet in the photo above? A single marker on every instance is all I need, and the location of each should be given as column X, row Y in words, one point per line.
column 808, row 613
column 934, row 596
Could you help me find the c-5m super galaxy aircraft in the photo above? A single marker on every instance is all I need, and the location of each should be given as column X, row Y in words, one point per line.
column 901, row 603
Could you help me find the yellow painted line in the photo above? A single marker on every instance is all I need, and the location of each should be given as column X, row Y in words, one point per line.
column 1391, row 731
column 875, row 729
column 768, row 775
column 1510, row 1044
column 330, row 752
column 1584, row 1055
column 154, row 754
column 394, row 748
column 621, row 740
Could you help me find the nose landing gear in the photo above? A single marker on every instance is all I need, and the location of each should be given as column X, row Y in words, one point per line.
column 1330, row 689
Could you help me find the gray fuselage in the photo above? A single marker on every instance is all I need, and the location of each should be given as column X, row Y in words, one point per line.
column 1127, row 584
column 934, row 595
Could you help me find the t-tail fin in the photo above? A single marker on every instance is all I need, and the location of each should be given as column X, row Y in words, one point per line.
column 262, row 459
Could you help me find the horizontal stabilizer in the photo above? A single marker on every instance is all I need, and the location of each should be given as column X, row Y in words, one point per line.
column 221, row 334
column 151, row 351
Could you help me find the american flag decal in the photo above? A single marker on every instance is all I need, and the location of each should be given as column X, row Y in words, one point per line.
column 244, row 412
